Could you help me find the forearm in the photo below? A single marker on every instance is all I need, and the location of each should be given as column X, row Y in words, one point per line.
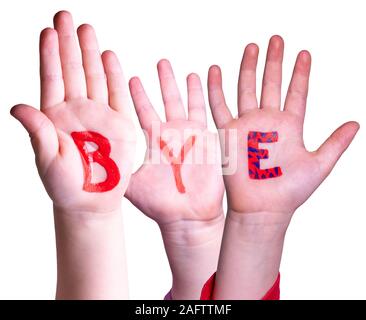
column 193, row 249
column 91, row 260
column 250, row 255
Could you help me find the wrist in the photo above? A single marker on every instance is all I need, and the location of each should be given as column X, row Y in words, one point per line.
column 262, row 227
column 193, row 249
column 250, row 254
column 85, row 218
column 90, row 255
column 192, row 233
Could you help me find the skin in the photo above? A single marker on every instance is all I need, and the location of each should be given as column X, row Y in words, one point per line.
column 191, row 223
column 81, row 90
column 259, row 211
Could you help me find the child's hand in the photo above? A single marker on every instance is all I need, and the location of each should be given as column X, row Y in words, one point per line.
column 181, row 188
column 194, row 189
column 84, row 143
column 299, row 172
column 80, row 93
column 263, row 193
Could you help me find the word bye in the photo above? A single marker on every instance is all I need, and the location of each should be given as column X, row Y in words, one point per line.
column 100, row 156
column 255, row 154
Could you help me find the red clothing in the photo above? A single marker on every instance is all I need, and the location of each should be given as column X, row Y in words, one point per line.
column 272, row 294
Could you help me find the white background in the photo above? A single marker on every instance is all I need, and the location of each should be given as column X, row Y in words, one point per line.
column 324, row 255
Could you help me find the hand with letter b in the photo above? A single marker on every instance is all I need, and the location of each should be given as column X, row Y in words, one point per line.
column 84, row 142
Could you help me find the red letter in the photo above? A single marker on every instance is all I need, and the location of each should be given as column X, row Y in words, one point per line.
column 255, row 154
column 177, row 162
column 101, row 156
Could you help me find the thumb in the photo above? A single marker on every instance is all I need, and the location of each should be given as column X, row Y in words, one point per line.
column 40, row 129
column 129, row 193
column 332, row 148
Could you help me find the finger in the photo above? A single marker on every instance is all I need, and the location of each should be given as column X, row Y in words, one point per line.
column 52, row 84
column 72, row 68
column 298, row 89
column 174, row 109
column 247, row 98
column 92, row 62
column 41, row 131
column 117, row 85
column 220, row 112
column 272, row 79
column 144, row 109
column 332, row 149
column 196, row 101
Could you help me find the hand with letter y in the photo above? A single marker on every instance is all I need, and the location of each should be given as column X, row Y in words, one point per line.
column 275, row 173
column 84, row 144
column 180, row 183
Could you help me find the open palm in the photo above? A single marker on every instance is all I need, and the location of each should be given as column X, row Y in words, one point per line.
column 301, row 171
column 195, row 190
column 79, row 92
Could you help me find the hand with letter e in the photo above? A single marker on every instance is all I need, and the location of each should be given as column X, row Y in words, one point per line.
column 274, row 174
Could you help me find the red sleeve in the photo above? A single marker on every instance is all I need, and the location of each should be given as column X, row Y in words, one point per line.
column 272, row 294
